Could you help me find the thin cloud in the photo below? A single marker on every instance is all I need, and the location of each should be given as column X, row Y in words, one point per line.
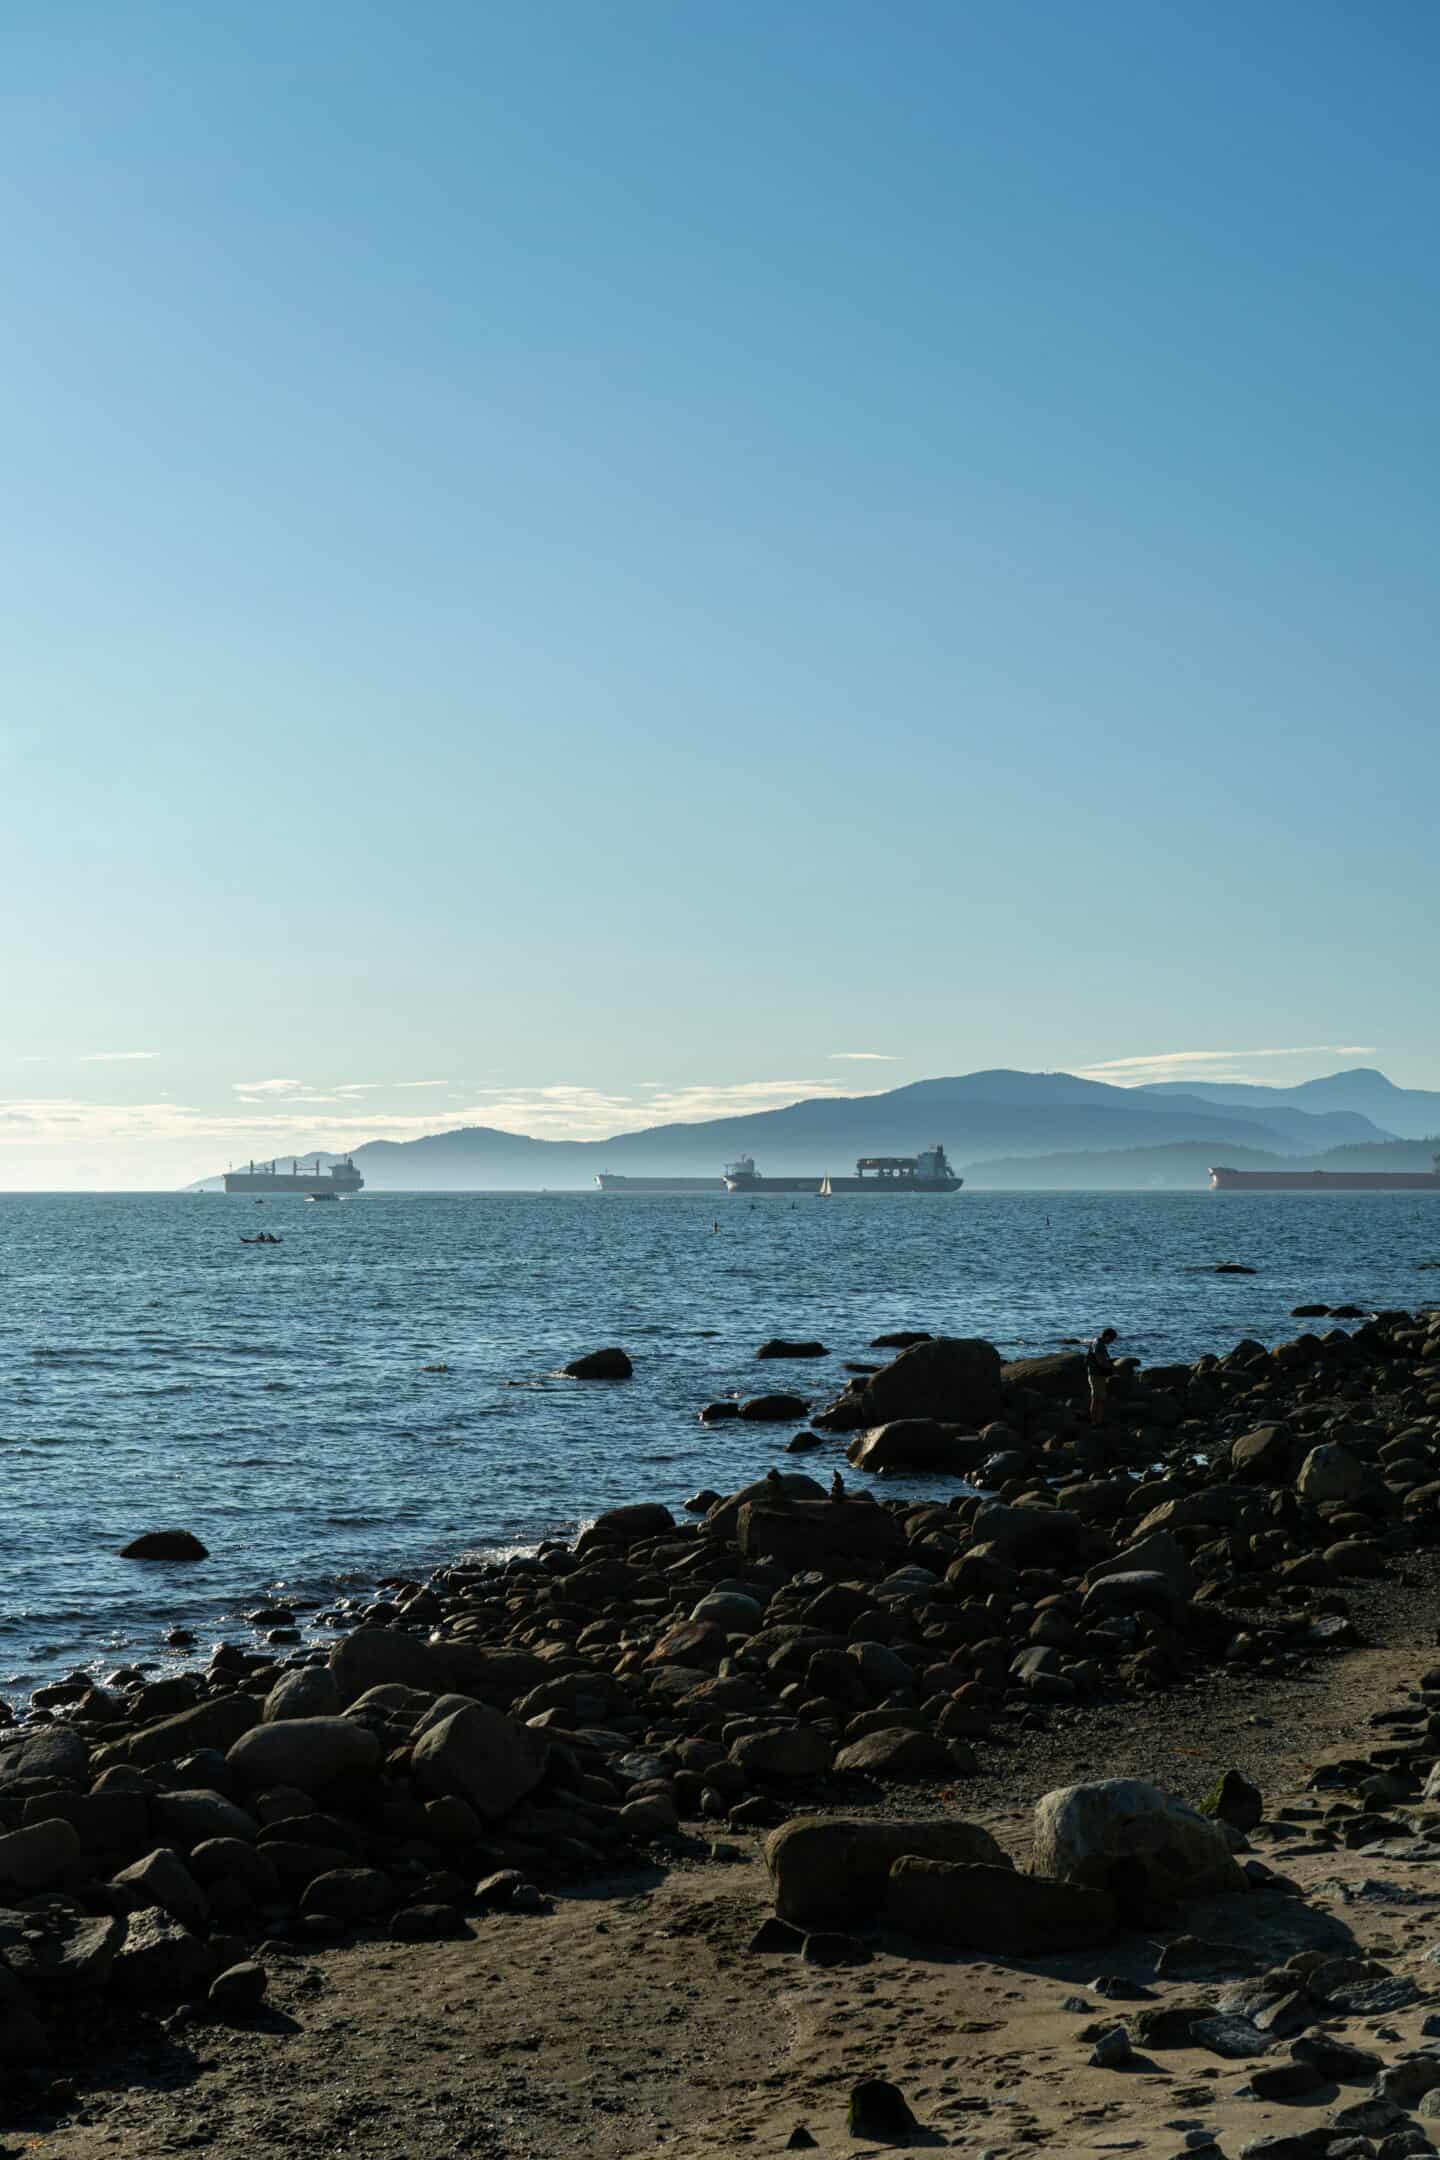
column 117, row 1057
column 250, row 1088
column 866, row 1057
column 1208, row 1064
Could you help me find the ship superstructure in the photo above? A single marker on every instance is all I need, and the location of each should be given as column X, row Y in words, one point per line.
column 318, row 1184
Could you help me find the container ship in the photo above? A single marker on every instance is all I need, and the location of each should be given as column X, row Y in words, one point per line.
column 315, row 1183
column 612, row 1181
column 1222, row 1180
column 927, row 1173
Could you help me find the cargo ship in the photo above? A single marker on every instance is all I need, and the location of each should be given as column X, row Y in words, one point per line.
column 1223, row 1180
column 315, row 1183
column 612, row 1181
column 928, row 1173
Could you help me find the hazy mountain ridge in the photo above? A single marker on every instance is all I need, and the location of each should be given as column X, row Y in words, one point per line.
column 1409, row 1113
column 1183, row 1168
column 993, row 1116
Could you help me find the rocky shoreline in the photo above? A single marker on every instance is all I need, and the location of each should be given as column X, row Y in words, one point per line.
column 785, row 1662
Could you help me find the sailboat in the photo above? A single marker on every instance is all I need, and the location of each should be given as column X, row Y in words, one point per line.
column 825, row 1191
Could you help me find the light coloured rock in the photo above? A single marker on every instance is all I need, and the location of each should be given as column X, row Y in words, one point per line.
column 1144, row 1846
column 60, row 1952
column 900, row 1754
column 304, row 1752
column 1331, row 1472
column 162, row 1958
column 483, row 1757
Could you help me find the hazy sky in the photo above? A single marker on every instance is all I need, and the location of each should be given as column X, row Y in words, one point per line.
column 566, row 557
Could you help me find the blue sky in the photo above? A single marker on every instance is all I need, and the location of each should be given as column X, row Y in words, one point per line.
column 569, row 559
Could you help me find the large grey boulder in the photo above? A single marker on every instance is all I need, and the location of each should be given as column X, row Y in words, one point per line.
column 916, row 1444
column 304, row 1752
column 1159, row 1554
column 830, row 1873
column 163, row 1879
column 801, row 1535
column 216, row 1724
column 1149, row 1850
column 894, row 1752
column 1060, row 1375
column 994, row 1909
column 1331, row 1472
column 56, row 1755
column 483, row 1757
column 611, row 1364
column 60, row 1952
column 160, row 1957
column 190, row 1818
column 311, row 1691
column 783, row 1751
column 39, row 1856
column 956, row 1379
column 373, row 1656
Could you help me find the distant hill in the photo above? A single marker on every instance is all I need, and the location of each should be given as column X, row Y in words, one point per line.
column 1184, row 1168
column 1410, row 1113
column 978, row 1117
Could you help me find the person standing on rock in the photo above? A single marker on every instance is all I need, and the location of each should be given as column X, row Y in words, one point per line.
column 1099, row 1371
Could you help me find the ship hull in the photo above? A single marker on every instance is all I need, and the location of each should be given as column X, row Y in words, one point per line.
column 263, row 1182
column 1325, row 1181
column 866, row 1185
column 612, row 1181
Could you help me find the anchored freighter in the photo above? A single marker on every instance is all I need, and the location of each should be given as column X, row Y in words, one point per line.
column 318, row 1184
column 927, row 1173
column 1222, row 1180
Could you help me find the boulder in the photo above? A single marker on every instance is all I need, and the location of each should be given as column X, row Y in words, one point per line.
column 783, row 1751
column 722, row 1516
column 879, row 2113
column 780, row 1348
column 159, row 1957
column 54, row 1755
column 189, row 1818
column 901, row 1339
column 955, row 1379
column 1330, row 1472
column 916, row 1444
column 357, row 1893
column 1148, row 1849
column 482, row 1757
column 163, row 1879
column 239, row 1989
column 808, row 1534
column 38, row 1857
column 310, row 1691
column 375, row 1656
column 627, row 1525
column 897, row 1753
column 1134, row 1590
column 216, row 1724
column 231, row 1860
column 1060, row 1377
column 609, row 1364
column 1234, row 1800
column 773, row 1409
column 829, row 1872
column 1263, row 1456
column 994, row 1909
column 1159, row 1554
column 60, row 1952
column 165, row 1545
column 307, row 1753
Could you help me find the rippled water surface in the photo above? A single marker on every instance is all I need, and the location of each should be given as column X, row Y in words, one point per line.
column 155, row 1372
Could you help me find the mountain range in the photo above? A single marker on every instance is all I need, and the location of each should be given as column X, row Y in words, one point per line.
column 987, row 1122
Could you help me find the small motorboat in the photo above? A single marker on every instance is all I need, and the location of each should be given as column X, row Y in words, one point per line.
column 266, row 1237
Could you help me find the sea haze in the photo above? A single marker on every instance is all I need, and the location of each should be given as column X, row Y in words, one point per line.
column 157, row 1373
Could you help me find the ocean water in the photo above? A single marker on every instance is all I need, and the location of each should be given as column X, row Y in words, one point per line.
column 155, row 1372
